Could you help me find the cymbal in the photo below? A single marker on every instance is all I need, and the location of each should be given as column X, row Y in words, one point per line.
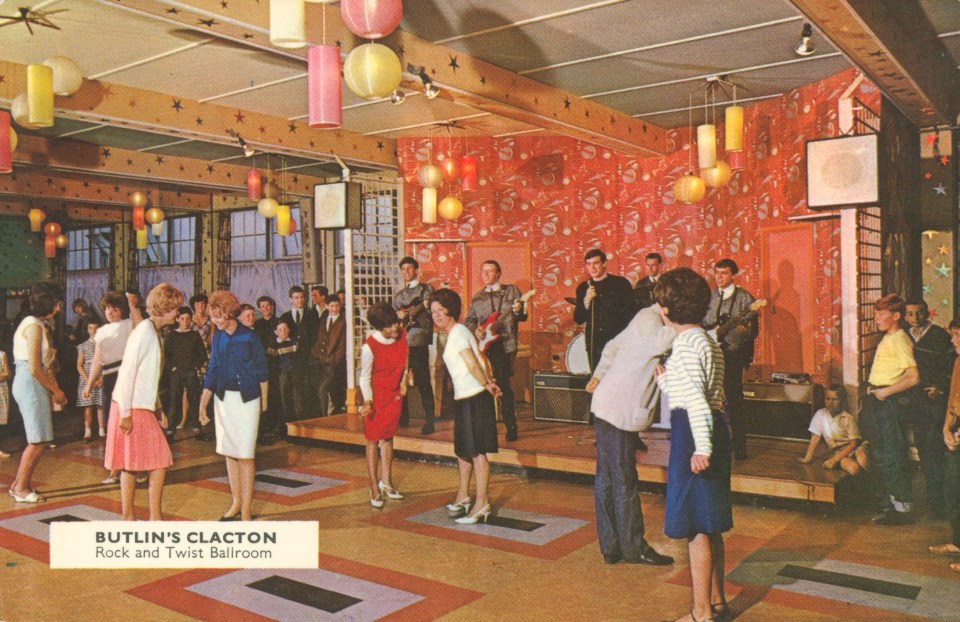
column 571, row 300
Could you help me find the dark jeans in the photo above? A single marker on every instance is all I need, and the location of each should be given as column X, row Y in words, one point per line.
column 420, row 366
column 926, row 418
column 307, row 376
column 330, row 379
column 619, row 517
column 179, row 381
column 736, row 406
column 502, row 363
column 952, row 491
column 882, row 423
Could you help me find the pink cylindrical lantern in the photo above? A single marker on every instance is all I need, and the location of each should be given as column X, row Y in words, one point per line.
column 468, row 172
column 253, row 184
column 323, row 86
column 371, row 19
column 6, row 148
column 737, row 160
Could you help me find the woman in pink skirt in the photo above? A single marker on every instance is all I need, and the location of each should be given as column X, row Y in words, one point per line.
column 135, row 440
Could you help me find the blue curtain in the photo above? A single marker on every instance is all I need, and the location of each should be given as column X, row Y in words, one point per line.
column 250, row 280
column 90, row 285
column 180, row 277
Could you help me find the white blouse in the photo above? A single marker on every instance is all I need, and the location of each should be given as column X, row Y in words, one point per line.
column 464, row 384
column 112, row 340
column 21, row 349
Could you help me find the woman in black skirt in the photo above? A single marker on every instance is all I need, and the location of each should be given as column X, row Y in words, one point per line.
column 474, row 389
column 698, row 474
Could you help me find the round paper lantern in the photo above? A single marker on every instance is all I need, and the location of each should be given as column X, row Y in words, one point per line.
column 138, row 199
column 36, row 217
column 52, row 229
column 430, row 176
column 268, row 207
column 372, row 71
column 271, row 190
column 155, row 217
column 62, row 241
column 689, row 188
column 20, row 111
column 717, row 176
column 67, row 77
column 371, row 19
column 14, row 140
column 450, row 208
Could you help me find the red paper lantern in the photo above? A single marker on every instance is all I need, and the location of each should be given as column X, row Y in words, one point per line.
column 49, row 246
column 139, row 219
column 371, row 19
column 6, row 147
column 468, row 172
column 253, row 184
column 737, row 160
column 451, row 170
column 52, row 229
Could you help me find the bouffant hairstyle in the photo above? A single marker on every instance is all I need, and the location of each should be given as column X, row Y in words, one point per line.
column 80, row 303
column 381, row 315
column 117, row 300
column 44, row 298
column 163, row 299
column 411, row 261
column 226, row 303
column 449, row 300
column 684, row 293
column 891, row 303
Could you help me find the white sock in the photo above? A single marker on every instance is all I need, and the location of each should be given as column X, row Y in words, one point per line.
column 86, row 433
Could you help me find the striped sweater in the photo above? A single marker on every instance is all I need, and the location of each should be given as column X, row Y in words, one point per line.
column 694, row 382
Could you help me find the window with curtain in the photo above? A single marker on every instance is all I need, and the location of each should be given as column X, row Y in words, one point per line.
column 170, row 256
column 262, row 262
column 88, row 262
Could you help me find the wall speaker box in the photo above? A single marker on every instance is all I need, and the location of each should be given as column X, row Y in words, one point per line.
column 843, row 172
column 338, row 206
column 561, row 397
column 780, row 410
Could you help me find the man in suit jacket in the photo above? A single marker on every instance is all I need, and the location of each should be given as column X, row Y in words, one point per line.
column 329, row 351
column 411, row 302
column 726, row 302
column 303, row 324
column 643, row 291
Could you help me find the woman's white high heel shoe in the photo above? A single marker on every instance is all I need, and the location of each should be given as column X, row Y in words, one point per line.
column 377, row 503
column 479, row 516
column 392, row 493
column 458, row 508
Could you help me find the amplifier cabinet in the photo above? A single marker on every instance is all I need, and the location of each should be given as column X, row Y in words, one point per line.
column 780, row 410
column 561, row 397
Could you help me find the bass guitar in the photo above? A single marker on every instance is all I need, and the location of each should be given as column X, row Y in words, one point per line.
column 490, row 334
column 741, row 319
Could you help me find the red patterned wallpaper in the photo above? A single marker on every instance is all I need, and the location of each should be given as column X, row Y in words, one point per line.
column 565, row 196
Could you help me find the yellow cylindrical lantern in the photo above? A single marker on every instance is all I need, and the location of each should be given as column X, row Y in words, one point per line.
column 40, row 95
column 36, row 216
column 733, row 128
column 429, row 215
column 142, row 239
column 283, row 220
column 707, row 145
column 372, row 71
column 67, row 77
column 430, row 176
column 268, row 207
column 62, row 241
column 689, row 188
column 717, row 176
column 287, row 23
column 450, row 208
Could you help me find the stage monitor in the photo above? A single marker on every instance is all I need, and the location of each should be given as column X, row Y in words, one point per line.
column 338, row 206
column 842, row 172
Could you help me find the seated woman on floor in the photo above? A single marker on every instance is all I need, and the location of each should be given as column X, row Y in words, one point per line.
column 839, row 431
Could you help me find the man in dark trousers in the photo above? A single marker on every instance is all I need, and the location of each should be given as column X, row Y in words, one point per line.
column 411, row 304
column 303, row 325
column 329, row 352
column 728, row 303
column 605, row 305
column 934, row 355
column 643, row 290
column 493, row 315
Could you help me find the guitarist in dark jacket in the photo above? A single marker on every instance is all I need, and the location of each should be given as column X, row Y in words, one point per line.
column 729, row 302
column 411, row 303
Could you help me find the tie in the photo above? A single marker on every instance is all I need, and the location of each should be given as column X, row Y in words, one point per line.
column 296, row 317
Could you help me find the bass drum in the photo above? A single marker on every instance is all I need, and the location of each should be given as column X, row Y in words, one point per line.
column 577, row 361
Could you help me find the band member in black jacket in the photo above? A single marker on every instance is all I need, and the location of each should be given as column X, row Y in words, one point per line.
column 605, row 305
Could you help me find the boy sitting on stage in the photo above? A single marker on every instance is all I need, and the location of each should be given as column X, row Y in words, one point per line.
column 838, row 429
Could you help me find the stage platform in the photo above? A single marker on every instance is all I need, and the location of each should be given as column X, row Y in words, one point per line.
column 771, row 470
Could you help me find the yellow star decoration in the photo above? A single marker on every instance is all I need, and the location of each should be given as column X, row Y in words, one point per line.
column 943, row 249
column 928, row 261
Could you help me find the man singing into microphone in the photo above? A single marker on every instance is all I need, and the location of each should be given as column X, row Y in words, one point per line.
column 605, row 304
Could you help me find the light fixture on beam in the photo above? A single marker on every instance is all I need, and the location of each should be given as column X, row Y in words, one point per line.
column 805, row 47
column 430, row 89
column 397, row 97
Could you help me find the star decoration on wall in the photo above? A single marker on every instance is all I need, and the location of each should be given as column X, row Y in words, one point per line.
column 483, row 81
column 292, row 127
column 208, row 22
column 944, row 160
column 566, row 103
column 453, row 63
column 159, row 159
column 172, row 11
column 379, row 145
column 927, row 289
column 105, row 153
column 239, row 116
column 199, row 121
column 940, row 190
column 927, row 175
column 177, row 105
column 209, row 168
column 943, row 269
column 943, row 250
column 928, row 261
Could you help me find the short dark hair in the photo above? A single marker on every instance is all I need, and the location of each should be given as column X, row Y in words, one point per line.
column 80, row 302
column 837, row 388
column 294, row 290
column 44, row 298
column 133, row 291
column 332, row 299
column 595, row 252
column 283, row 321
column 185, row 310
column 320, row 288
column 726, row 262
column 924, row 308
column 656, row 256
column 410, row 260
column 272, row 302
column 449, row 300
column 494, row 263
column 246, row 306
column 891, row 303
column 201, row 297
column 684, row 293
column 954, row 323
column 381, row 315
column 117, row 300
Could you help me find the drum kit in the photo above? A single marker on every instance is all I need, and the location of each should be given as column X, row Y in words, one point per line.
column 576, row 357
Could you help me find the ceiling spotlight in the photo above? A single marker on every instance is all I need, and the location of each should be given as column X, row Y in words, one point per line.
column 805, row 47
column 397, row 97
column 430, row 89
column 247, row 149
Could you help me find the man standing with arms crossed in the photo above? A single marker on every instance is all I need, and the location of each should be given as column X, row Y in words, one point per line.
column 411, row 304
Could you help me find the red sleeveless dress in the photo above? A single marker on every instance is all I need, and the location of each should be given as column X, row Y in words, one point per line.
column 389, row 363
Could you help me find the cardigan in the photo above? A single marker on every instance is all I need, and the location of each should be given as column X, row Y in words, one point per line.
column 138, row 380
column 237, row 362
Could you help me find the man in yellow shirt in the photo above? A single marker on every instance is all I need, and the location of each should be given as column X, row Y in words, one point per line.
column 893, row 373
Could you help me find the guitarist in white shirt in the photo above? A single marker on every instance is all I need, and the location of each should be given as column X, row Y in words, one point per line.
column 726, row 302
column 505, row 301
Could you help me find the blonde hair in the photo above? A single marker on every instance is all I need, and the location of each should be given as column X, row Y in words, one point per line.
column 163, row 299
column 226, row 302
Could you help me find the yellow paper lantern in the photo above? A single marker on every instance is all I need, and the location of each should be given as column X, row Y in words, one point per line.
column 733, row 127
column 67, row 77
column 450, row 208
column 283, row 220
column 429, row 212
column 40, row 95
column 707, row 145
column 717, row 176
column 142, row 239
column 372, row 71
column 62, row 241
column 20, row 111
column 138, row 199
column 36, row 217
column 268, row 207
column 689, row 188
column 155, row 217
column 14, row 140
column 287, row 21
column 430, row 176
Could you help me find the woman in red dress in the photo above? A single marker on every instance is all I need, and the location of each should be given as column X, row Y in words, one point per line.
column 383, row 365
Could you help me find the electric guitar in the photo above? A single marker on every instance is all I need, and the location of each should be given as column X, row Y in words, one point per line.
column 747, row 315
column 490, row 335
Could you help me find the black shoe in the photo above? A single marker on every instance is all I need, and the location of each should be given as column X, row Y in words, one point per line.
column 892, row 517
column 266, row 440
column 403, row 422
column 641, row 446
column 427, row 429
column 511, row 435
column 612, row 559
column 651, row 558
column 206, row 438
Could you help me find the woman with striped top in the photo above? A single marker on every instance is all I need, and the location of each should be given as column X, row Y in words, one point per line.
column 698, row 475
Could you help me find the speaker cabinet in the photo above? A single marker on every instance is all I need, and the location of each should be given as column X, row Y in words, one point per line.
column 561, row 397
column 780, row 410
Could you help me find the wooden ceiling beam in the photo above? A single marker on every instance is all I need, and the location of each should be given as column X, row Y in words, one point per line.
column 73, row 212
column 896, row 46
column 140, row 109
column 460, row 77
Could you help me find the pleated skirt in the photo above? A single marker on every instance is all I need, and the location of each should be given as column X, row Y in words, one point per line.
column 145, row 448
